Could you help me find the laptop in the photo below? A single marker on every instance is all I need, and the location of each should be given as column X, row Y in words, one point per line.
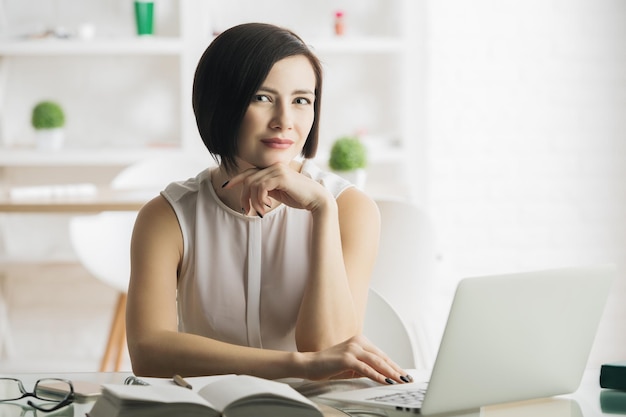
column 509, row 337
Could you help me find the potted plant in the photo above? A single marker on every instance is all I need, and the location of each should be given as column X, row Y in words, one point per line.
column 348, row 158
column 48, row 119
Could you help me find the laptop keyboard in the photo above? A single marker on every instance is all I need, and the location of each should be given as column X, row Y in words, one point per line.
column 409, row 398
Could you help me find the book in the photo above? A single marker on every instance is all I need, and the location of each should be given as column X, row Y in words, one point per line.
column 613, row 375
column 83, row 390
column 229, row 396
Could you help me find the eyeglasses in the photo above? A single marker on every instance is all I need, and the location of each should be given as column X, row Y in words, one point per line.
column 56, row 390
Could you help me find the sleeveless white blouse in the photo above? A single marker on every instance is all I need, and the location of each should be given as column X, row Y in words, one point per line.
column 242, row 278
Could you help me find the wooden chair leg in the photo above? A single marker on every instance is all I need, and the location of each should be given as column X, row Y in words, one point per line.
column 117, row 334
column 121, row 344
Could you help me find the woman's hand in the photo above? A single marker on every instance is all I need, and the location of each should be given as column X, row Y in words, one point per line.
column 356, row 357
column 281, row 183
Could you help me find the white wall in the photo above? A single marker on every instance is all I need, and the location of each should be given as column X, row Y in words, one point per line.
column 527, row 139
column 525, row 154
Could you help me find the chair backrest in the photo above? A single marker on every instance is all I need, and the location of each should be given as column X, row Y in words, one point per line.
column 405, row 267
column 102, row 241
column 102, row 244
column 384, row 327
column 156, row 173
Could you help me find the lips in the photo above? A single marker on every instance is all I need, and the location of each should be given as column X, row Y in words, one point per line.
column 277, row 143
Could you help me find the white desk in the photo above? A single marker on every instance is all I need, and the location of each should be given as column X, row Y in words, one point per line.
column 588, row 401
column 104, row 199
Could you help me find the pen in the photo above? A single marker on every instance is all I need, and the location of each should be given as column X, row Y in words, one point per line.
column 178, row 380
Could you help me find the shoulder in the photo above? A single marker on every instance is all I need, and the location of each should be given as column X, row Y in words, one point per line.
column 358, row 206
column 156, row 228
column 155, row 212
column 181, row 190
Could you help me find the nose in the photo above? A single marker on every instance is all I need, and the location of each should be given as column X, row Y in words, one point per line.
column 282, row 118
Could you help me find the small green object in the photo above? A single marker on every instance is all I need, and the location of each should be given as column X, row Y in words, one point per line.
column 348, row 153
column 48, row 115
column 613, row 375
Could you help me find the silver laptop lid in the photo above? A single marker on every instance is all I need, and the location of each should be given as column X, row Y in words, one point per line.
column 517, row 336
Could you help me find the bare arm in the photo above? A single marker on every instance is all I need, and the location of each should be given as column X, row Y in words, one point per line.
column 345, row 244
column 158, row 349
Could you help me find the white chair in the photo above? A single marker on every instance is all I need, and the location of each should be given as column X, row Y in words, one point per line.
column 102, row 241
column 384, row 327
column 405, row 270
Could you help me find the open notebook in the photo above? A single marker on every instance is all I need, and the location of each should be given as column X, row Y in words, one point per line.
column 508, row 338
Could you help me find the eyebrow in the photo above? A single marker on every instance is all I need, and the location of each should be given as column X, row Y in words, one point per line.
column 295, row 92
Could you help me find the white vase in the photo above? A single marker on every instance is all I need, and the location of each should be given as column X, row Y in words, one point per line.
column 50, row 139
column 356, row 177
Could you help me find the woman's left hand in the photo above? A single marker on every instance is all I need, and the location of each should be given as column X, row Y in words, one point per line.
column 280, row 182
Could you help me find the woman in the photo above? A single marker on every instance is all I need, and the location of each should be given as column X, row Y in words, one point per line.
column 260, row 266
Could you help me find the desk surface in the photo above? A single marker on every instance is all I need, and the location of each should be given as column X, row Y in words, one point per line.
column 102, row 200
column 588, row 401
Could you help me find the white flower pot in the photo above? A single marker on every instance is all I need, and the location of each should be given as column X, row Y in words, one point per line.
column 50, row 139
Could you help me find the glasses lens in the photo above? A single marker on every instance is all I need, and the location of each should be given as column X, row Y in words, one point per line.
column 10, row 390
column 53, row 389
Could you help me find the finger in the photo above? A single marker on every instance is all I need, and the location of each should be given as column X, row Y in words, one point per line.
column 259, row 195
column 372, row 348
column 367, row 367
column 254, row 190
column 380, row 362
column 239, row 178
column 384, row 371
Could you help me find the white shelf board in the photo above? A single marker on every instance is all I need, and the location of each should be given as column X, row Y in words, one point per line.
column 359, row 45
column 174, row 46
column 97, row 46
column 80, row 157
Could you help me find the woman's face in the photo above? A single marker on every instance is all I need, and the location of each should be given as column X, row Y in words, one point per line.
column 280, row 115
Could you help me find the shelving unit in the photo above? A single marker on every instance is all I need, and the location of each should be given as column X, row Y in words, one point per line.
column 134, row 94
column 63, row 47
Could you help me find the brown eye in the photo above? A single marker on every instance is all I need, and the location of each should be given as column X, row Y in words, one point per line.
column 302, row 100
column 261, row 98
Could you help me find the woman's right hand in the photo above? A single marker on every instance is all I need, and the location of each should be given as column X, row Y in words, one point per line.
column 356, row 357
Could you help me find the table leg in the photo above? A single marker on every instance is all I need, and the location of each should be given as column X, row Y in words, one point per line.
column 6, row 341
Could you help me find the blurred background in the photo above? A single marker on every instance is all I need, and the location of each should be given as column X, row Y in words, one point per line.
column 504, row 120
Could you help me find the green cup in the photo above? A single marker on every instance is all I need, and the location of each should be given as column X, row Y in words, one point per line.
column 144, row 17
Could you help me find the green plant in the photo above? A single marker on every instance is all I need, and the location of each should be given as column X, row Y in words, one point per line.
column 47, row 115
column 347, row 153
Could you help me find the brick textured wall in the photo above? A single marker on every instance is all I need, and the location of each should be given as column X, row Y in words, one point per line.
column 527, row 140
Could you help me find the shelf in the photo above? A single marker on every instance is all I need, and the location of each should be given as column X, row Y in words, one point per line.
column 102, row 46
column 357, row 45
column 174, row 46
column 80, row 157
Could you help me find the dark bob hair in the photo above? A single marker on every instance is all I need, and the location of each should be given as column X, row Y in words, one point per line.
column 231, row 71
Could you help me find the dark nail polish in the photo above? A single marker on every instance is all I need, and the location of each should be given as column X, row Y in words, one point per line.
column 409, row 377
column 404, row 379
column 389, row 381
column 259, row 214
column 267, row 205
column 225, row 184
